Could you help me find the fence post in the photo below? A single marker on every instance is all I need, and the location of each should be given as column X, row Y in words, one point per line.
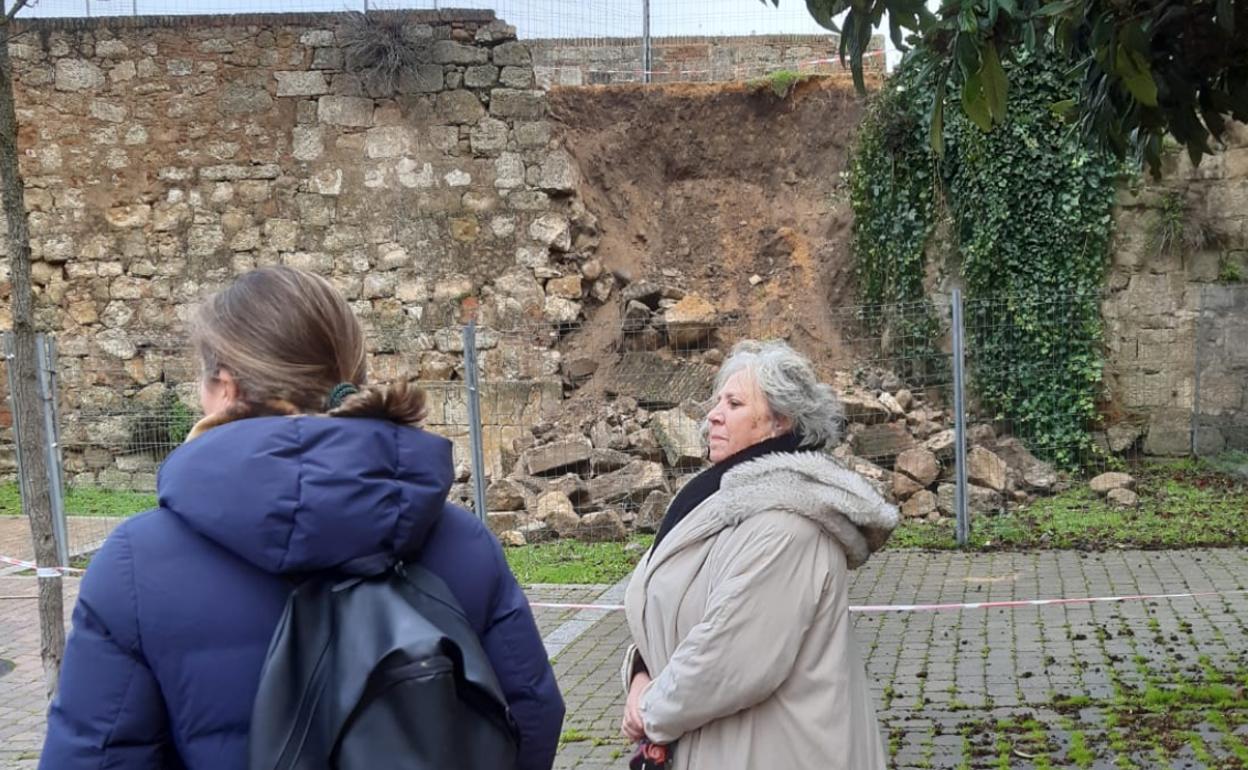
column 646, row 50
column 47, row 395
column 45, row 351
column 959, row 424
column 474, row 418
column 1195, row 429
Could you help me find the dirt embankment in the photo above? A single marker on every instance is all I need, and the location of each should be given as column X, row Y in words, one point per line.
column 705, row 187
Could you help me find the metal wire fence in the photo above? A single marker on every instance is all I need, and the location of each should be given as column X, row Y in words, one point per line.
column 580, row 430
column 577, row 42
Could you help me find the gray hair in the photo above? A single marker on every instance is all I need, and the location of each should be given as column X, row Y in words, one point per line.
column 787, row 380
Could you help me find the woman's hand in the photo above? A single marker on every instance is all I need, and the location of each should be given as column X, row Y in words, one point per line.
column 633, row 727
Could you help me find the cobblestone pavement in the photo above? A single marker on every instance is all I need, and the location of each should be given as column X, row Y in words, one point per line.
column 1144, row 684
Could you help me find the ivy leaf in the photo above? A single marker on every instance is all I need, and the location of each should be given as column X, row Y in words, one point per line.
column 996, row 87
column 1135, row 74
column 1062, row 108
column 1060, row 8
column 1009, row 6
column 975, row 104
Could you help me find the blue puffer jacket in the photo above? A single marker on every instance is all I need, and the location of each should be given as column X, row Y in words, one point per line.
column 175, row 614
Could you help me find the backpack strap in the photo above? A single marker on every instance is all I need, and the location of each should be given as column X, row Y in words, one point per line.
column 436, row 602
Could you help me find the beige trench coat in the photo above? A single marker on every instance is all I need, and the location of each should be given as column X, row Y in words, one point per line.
column 741, row 616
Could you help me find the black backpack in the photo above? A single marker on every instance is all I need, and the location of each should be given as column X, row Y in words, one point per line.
column 378, row 674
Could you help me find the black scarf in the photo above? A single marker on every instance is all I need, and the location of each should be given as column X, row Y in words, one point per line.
column 707, row 482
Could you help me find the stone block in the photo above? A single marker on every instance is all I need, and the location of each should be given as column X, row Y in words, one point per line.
column 518, row 104
column 1169, row 433
column 451, row 52
column 978, row 500
column 921, row 504
column 561, row 311
column 77, row 75
column 690, row 322
column 301, row 83
column 516, row 77
column 388, row 142
column 985, row 469
column 241, row 98
column 680, row 437
column 630, row 485
column 558, row 173
column 601, row 527
column 883, row 442
column 480, row 76
column 513, row 54
column 350, row 111
column 919, row 464
column 422, row 79
column 556, row 457
column 458, row 107
column 553, row 231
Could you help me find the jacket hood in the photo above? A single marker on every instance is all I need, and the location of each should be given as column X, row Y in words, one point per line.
column 310, row 493
column 812, row 485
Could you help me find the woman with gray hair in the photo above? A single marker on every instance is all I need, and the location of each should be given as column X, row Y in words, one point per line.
column 744, row 653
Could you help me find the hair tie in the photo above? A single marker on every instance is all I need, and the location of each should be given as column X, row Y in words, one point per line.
column 339, row 394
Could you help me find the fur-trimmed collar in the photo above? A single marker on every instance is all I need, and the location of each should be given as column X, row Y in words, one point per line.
column 240, row 411
column 815, row 486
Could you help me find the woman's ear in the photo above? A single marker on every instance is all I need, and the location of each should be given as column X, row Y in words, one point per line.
column 229, row 387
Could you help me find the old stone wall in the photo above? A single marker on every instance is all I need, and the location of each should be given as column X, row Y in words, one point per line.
column 163, row 156
column 687, row 59
column 1178, row 264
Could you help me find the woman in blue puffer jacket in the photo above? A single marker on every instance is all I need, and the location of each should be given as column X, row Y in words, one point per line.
column 298, row 467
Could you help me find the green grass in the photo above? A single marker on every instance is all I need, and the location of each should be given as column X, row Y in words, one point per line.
column 1183, row 504
column 568, row 561
column 84, row 501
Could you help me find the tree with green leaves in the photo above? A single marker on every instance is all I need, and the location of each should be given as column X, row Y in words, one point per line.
column 1146, row 68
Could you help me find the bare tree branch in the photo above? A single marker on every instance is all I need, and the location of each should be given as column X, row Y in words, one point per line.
column 17, row 6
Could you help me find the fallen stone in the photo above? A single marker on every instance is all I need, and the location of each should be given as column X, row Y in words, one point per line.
column 551, row 458
column 601, row 527
column 504, row 495
column 921, row 504
column 979, row 500
column 1034, row 472
column 905, row 399
column 883, row 442
column 512, row 538
column 919, row 464
column 1123, row 436
column 942, row 444
column 679, row 436
column 629, row 485
column 985, row 469
column 573, row 487
column 904, row 486
column 607, row 460
column 503, row 521
column 893, row 406
column 690, row 321
column 552, row 503
column 1107, row 482
column 864, row 409
column 650, row 514
column 1123, row 498
column 644, row 292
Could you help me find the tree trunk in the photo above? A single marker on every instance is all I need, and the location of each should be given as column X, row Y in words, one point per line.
column 31, row 440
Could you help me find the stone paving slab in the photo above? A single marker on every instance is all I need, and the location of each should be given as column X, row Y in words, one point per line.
column 1043, row 687
column 86, row 533
column 1150, row 684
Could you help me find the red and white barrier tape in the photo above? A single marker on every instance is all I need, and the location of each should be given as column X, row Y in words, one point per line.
column 43, row 572
column 948, row 607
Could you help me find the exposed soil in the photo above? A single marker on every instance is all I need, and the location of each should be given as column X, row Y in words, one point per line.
column 702, row 187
